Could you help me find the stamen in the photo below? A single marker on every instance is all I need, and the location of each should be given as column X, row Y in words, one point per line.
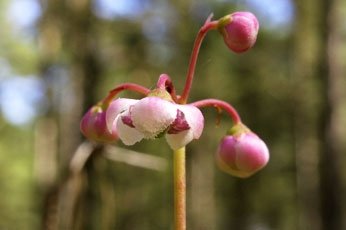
column 179, row 124
column 127, row 121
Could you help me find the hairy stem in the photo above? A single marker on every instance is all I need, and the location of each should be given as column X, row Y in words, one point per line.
column 179, row 189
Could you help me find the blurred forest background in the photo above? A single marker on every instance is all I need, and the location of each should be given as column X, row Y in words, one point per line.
column 58, row 58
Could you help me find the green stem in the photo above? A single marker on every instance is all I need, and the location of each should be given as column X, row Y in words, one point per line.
column 179, row 189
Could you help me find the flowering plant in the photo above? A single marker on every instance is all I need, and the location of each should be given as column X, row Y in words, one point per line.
column 162, row 112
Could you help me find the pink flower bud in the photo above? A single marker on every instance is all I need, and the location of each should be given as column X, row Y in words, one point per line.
column 242, row 155
column 239, row 30
column 94, row 127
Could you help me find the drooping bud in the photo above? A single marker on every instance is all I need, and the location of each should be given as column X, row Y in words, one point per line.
column 94, row 127
column 242, row 154
column 239, row 30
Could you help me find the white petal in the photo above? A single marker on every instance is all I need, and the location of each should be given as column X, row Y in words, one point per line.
column 176, row 141
column 152, row 115
column 127, row 134
column 117, row 106
column 194, row 118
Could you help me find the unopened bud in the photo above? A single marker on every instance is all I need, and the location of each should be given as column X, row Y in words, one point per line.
column 242, row 154
column 239, row 30
column 94, row 127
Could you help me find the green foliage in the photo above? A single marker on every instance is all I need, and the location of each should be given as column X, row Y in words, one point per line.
column 20, row 206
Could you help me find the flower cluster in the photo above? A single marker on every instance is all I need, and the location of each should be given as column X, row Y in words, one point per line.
column 161, row 112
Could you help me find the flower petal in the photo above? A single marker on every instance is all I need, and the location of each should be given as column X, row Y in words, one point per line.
column 127, row 134
column 179, row 140
column 195, row 120
column 117, row 106
column 253, row 153
column 153, row 115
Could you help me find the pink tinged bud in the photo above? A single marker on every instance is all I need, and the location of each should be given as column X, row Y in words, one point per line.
column 239, row 30
column 242, row 155
column 93, row 126
column 187, row 126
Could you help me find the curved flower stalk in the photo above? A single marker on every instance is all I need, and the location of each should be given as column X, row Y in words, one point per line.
column 161, row 112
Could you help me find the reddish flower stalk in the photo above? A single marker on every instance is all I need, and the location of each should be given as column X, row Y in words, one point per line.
column 208, row 25
column 220, row 105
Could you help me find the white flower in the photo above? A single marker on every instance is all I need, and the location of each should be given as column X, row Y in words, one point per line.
column 151, row 116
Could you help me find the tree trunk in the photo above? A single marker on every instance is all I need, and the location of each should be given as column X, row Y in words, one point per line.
column 330, row 76
column 304, row 69
column 65, row 31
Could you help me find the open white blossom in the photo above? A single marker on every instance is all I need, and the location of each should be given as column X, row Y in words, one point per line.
column 149, row 117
